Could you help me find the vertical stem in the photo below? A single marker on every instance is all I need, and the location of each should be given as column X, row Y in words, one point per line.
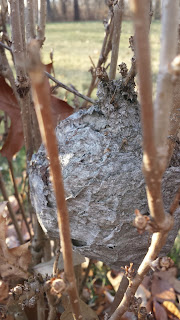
column 106, row 48
column 41, row 22
column 118, row 13
column 18, row 197
column 142, row 51
column 11, row 212
column 42, row 105
column 30, row 21
column 163, row 102
column 22, row 81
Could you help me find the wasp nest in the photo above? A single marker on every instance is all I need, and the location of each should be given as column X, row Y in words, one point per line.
column 100, row 150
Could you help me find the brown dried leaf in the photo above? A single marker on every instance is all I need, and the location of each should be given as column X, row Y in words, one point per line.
column 60, row 109
column 13, row 262
column 49, row 67
column 162, row 290
column 9, row 104
column 159, row 311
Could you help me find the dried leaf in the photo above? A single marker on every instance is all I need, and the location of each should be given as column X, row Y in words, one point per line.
column 159, row 311
column 170, row 306
column 87, row 312
column 162, row 290
column 13, row 262
column 9, row 104
column 49, row 67
column 60, row 109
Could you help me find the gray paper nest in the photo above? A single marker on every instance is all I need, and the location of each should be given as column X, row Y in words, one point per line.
column 101, row 156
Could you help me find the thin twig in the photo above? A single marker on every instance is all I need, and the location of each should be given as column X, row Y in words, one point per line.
column 18, row 197
column 55, row 265
column 11, row 212
column 85, row 277
column 119, row 295
column 176, row 203
column 118, row 14
column 42, row 98
column 62, row 85
column 5, row 46
column 106, row 48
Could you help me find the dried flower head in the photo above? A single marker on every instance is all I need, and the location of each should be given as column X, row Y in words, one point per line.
column 140, row 221
column 162, row 264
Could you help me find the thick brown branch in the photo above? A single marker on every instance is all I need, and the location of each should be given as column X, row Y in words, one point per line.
column 42, row 105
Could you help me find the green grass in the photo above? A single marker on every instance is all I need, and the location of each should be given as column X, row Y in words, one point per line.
column 74, row 42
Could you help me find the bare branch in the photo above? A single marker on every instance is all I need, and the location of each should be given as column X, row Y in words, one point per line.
column 5, row 46
column 62, row 85
column 106, row 48
column 152, row 170
column 18, row 197
column 41, row 21
column 11, row 212
column 164, row 96
column 142, row 52
column 118, row 13
column 175, row 203
column 119, row 294
column 22, row 81
column 30, row 23
column 42, row 105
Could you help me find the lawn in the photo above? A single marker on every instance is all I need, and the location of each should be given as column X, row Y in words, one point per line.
column 74, row 42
